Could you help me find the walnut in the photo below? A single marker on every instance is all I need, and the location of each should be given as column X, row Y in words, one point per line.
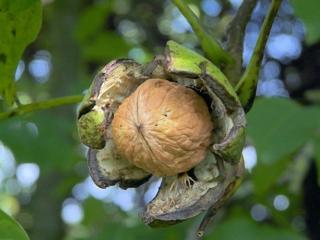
column 137, row 124
column 163, row 128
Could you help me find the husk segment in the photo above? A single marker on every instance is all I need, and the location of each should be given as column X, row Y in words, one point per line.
column 107, row 168
column 168, row 208
column 212, row 185
column 115, row 82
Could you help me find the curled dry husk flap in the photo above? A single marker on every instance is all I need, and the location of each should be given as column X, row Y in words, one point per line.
column 211, row 186
column 107, row 168
column 208, row 191
column 116, row 81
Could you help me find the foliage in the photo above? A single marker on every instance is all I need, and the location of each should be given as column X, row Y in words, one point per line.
column 10, row 229
column 246, row 228
column 304, row 9
column 20, row 23
column 278, row 129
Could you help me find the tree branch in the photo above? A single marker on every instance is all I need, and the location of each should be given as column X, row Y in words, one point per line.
column 37, row 106
column 235, row 38
column 246, row 88
column 212, row 49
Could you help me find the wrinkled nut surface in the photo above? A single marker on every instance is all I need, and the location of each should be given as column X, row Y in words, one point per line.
column 163, row 128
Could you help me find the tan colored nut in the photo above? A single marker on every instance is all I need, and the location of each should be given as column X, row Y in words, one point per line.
column 163, row 128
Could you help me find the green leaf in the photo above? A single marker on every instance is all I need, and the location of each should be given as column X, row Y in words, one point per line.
column 20, row 22
column 265, row 176
column 243, row 227
column 97, row 44
column 96, row 15
column 307, row 11
column 10, row 229
column 105, row 46
column 278, row 127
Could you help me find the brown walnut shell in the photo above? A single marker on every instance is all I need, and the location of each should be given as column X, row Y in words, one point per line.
column 163, row 128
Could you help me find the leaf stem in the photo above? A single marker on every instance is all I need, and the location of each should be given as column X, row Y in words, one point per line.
column 209, row 45
column 247, row 85
column 37, row 106
column 235, row 38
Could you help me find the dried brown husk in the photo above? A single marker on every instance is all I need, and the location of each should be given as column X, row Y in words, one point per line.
column 210, row 190
column 108, row 168
column 115, row 82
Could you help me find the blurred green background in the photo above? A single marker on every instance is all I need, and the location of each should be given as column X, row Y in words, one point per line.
column 44, row 181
